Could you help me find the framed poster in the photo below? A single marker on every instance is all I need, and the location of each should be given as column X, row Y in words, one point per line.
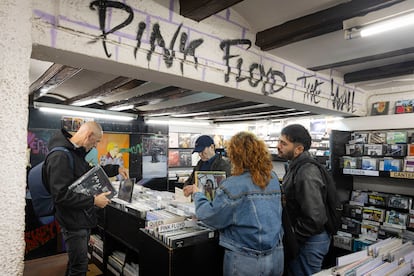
column 113, row 149
column 380, row 108
column 404, row 106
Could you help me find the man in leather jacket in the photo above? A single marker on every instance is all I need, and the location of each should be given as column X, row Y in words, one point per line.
column 209, row 160
column 305, row 191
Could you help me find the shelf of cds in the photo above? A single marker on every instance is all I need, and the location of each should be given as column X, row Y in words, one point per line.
column 374, row 153
column 371, row 216
column 366, row 164
column 152, row 223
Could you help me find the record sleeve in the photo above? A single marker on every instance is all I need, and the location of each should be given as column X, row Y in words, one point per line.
column 126, row 188
column 208, row 181
column 93, row 182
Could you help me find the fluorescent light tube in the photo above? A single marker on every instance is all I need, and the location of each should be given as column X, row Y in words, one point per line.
column 167, row 121
column 83, row 112
column 388, row 25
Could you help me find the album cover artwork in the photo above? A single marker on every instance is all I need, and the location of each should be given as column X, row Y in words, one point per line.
column 208, row 181
column 380, row 108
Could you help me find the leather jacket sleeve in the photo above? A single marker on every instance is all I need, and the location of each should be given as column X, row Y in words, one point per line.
column 309, row 190
column 190, row 180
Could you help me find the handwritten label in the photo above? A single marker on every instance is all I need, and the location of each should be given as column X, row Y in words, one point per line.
column 171, row 226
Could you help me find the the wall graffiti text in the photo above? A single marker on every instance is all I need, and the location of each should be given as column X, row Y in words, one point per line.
column 342, row 100
column 313, row 90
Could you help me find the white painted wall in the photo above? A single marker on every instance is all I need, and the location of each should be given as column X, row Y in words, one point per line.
column 394, row 121
column 63, row 32
column 15, row 49
column 392, row 95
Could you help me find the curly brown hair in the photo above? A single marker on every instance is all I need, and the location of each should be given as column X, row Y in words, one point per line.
column 249, row 153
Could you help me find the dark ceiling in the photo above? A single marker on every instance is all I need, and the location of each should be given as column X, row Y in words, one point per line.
column 72, row 86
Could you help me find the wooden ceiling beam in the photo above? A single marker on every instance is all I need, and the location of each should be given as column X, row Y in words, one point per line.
column 253, row 117
column 318, row 23
column 109, row 88
column 162, row 95
column 215, row 104
column 387, row 71
column 201, row 9
column 54, row 76
column 396, row 53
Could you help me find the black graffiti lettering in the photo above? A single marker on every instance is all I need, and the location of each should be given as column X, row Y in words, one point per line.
column 270, row 76
column 190, row 51
column 268, row 79
column 340, row 100
column 156, row 38
column 312, row 89
column 252, row 81
column 225, row 46
column 102, row 6
column 351, row 98
column 141, row 29
column 239, row 78
column 169, row 53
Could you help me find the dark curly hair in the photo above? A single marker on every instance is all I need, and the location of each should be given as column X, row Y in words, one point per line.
column 248, row 153
column 298, row 134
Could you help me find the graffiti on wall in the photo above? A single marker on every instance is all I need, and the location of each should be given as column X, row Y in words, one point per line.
column 268, row 80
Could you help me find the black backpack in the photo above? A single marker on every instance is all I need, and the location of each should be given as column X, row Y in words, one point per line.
column 332, row 203
column 42, row 200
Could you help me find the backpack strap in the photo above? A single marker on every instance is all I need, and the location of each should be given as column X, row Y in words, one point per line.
column 68, row 154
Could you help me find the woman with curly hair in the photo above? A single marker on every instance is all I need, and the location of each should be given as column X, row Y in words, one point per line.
column 247, row 210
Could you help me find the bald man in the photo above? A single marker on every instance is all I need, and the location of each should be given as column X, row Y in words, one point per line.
column 76, row 213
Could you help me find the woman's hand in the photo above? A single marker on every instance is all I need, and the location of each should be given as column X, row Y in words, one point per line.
column 190, row 189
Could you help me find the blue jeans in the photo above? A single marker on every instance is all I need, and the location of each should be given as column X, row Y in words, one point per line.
column 311, row 255
column 240, row 263
column 76, row 242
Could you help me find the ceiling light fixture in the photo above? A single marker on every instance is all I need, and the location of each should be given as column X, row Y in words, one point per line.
column 380, row 26
column 70, row 110
column 121, row 107
column 394, row 17
column 179, row 122
column 86, row 102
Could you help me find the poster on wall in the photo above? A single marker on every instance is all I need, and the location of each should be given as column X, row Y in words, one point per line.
column 404, row 106
column 318, row 126
column 173, row 140
column 380, row 108
column 173, row 158
column 37, row 143
column 113, row 149
column 187, row 140
column 73, row 124
column 218, row 141
column 154, row 156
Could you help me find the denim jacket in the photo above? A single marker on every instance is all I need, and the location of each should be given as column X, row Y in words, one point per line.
column 248, row 217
